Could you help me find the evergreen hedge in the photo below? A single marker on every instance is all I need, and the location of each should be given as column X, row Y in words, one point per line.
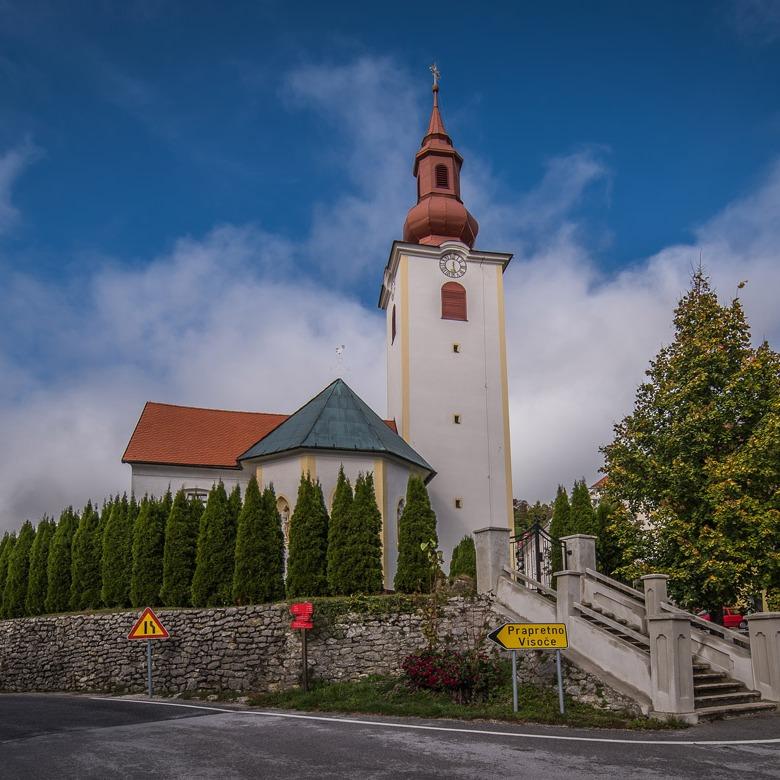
column 365, row 551
column 559, row 526
column 117, row 553
column 15, row 592
column 85, row 584
column 148, row 544
column 212, row 583
column 181, row 541
column 35, row 602
column 416, row 527
column 307, row 562
column 6, row 547
column 339, row 538
column 464, row 558
column 258, row 574
column 58, row 568
column 581, row 517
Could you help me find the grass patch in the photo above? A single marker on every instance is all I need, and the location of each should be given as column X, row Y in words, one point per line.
column 392, row 696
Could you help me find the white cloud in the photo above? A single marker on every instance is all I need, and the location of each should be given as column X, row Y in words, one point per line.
column 226, row 320
column 12, row 163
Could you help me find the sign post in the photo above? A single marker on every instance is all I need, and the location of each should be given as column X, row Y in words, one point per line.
column 302, row 618
column 532, row 636
column 148, row 627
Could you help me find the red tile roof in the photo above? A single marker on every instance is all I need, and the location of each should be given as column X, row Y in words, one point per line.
column 599, row 484
column 188, row 436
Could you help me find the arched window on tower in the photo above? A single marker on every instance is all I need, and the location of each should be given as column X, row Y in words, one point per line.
column 392, row 325
column 453, row 301
column 442, row 177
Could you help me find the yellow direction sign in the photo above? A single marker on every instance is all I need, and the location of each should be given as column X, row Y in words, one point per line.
column 530, row 636
column 148, row 626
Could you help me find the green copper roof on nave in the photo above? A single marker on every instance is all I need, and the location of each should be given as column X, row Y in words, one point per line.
column 336, row 419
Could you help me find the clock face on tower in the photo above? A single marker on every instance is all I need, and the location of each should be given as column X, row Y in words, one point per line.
column 453, row 265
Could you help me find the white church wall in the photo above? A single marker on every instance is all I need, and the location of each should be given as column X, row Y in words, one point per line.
column 155, row 480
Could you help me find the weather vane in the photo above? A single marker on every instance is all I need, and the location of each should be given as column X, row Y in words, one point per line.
column 436, row 73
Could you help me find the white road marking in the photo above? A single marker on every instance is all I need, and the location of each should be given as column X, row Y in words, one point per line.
column 452, row 729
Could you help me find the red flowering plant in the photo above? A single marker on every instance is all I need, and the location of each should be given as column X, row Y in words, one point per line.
column 467, row 676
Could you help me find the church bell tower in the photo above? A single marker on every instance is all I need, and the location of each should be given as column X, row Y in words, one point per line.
column 446, row 346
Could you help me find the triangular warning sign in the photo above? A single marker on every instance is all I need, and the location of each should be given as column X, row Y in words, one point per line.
column 148, row 626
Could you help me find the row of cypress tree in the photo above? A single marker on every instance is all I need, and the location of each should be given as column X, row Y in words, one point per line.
column 175, row 552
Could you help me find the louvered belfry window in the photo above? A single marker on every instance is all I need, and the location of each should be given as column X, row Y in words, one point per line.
column 442, row 177
column 453, row 301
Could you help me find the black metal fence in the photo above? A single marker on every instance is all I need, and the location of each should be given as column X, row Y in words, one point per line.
column 532, row 554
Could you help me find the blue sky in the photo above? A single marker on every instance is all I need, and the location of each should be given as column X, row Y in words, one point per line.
column 167, row 166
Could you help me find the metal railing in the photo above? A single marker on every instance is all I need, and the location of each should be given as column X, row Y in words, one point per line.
column 532, row 554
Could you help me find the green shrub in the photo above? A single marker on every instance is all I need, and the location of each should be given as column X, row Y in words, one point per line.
column 212, row 583
column 416, row 527
column 35, row 603
column 464, row 558
column 307, row 562
column 58, row 570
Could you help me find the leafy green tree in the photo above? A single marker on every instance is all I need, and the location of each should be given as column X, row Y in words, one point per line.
column 307, row 563
column 117, row 554
column 339, row 540
column 744, row 492
column 258, row 576
column 703, row 422
column 181, row 542
column 18, row 573
column 581, row 519
column 464, row 558
column 6, row 548
column 212, row 583
column 35, row 603
column 416, row 528
column 365, row 550
column 148, row 545
column 85, row 584
column 58, row 570
column 559, row 527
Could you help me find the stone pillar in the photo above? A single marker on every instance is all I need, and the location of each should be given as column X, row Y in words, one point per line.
column 492, row 545
column 671, row 663
column 568, row 586
column 580, row 552
column 655, row 593
column 764, row 631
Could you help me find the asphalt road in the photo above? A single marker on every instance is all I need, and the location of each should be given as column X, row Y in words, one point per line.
column 63, row 736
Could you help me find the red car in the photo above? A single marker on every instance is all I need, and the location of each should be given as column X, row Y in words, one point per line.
column 732, row 618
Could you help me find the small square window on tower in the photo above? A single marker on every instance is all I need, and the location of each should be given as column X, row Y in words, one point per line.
column 456, row 348
column 456, row 419
column 458, row 503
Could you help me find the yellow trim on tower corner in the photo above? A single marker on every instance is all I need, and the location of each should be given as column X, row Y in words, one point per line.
column 505, row 391
column 259, row 477
column 309, row 466
column 404, row 278
column 380, row 491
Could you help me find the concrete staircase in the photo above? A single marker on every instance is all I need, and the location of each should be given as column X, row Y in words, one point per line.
column 716, row 695
column 672, row 663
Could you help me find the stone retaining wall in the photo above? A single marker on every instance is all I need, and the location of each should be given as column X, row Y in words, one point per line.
column 245, row 649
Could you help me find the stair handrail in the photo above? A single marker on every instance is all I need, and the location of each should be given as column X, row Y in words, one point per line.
column 637, row 595
column 707, row 625
column 601, row 618
column 530, row 581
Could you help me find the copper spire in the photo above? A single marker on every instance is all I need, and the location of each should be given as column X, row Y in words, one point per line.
column 436, row 123
column 439, row 215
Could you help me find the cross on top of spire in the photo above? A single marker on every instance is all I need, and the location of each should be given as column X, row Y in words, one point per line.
column 433, row 68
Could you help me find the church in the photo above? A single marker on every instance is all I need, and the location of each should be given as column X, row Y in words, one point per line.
column 447, row 391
